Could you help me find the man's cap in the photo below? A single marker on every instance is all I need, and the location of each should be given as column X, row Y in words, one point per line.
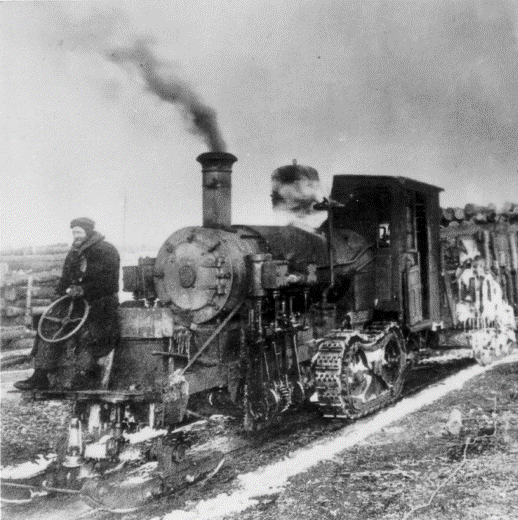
column 84, row 222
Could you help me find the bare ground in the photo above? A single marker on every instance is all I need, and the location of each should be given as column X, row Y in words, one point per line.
column 415, row 461
column 30, row 428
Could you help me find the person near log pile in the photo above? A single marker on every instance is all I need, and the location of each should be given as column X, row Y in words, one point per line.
column 91, row 271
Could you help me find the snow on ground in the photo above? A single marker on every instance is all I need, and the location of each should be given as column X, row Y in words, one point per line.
column 7, row 380
column 271, row 479
column 14, row 375
column 27, row 469
column 145, row 434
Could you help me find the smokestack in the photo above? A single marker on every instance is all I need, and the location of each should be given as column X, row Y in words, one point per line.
column 217, row 175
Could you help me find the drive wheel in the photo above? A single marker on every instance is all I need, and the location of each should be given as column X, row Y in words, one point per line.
column 373, row 375
column 393, row 369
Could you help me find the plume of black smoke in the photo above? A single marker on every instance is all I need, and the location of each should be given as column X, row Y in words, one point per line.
column 201, row 118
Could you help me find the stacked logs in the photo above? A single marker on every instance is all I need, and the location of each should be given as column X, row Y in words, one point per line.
column 474, row 214
column 28, row 280
column 496, row 236
column 496, row 243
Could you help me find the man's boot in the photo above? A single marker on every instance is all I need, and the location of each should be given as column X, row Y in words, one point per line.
column 38, row 381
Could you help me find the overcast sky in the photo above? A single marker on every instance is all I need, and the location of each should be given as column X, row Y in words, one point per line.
column 421, row 89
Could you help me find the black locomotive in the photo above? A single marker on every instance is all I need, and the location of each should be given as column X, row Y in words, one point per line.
column 274, row 315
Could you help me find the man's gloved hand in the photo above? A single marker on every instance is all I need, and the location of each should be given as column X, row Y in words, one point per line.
column 76, row 291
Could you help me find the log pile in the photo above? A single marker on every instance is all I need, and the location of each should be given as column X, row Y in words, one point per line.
column 473, row 214
column 28, row 280
column 495, row 240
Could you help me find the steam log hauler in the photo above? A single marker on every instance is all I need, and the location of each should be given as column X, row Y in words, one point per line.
column 91, row 271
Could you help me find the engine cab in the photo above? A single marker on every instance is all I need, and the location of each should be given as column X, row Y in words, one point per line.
column 401, row 217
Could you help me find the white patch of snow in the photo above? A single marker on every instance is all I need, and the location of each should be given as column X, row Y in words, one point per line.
column 191, row 426
column 218, row 417
column 219, row 443
column 214, row 508
column 148, row 467
column 143, row 435
column 15, row 375
column 137, row 479
column 99, row 449
column 27, row 469
column 271, row 479
column 96, row 451
column 130, row 454
column 142, row 474
column 85, row 471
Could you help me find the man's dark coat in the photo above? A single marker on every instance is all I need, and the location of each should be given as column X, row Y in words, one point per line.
column 94, row 266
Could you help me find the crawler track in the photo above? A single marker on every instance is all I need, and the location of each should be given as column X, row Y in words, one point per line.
column 360, row 372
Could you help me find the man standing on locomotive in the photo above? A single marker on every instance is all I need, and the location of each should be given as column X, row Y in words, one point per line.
column 91, row 271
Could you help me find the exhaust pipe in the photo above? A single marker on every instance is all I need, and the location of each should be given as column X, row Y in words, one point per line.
column 216, row 168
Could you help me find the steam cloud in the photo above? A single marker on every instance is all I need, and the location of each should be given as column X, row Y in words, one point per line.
column 295, row 189
column 202, row 119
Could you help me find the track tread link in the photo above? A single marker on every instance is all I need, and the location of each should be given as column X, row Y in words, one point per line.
column 336, row 351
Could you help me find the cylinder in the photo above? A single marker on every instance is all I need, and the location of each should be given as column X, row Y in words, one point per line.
column 256, row 263
column 217, row 184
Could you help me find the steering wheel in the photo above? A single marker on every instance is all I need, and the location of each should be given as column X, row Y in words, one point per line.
column 62, row 311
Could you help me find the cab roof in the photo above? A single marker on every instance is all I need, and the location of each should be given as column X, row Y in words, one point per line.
column 347, row 183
